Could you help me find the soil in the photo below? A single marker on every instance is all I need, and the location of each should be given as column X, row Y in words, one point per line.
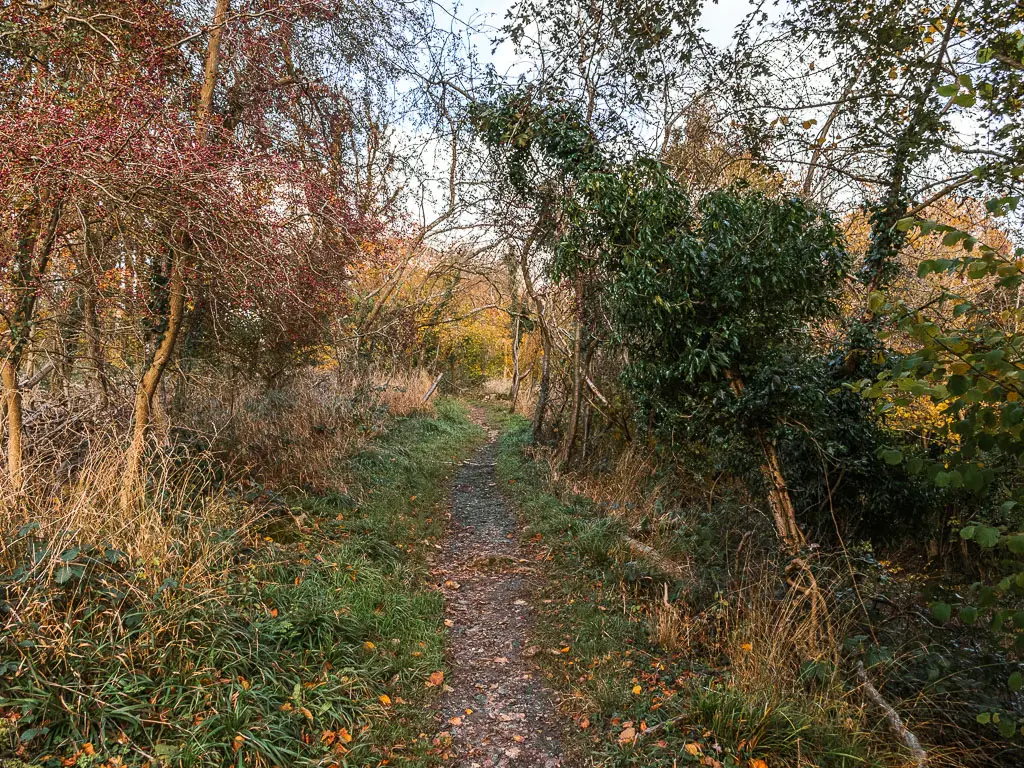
column 496, row 709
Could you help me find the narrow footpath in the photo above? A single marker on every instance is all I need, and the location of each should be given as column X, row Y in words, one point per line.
column 496, row 711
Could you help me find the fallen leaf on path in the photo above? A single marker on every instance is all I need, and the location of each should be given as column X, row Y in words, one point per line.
column 455, row 721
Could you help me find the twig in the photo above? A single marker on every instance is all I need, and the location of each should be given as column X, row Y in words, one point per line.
column 892, row 718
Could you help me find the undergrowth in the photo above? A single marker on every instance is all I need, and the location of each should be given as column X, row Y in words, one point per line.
column 310, row 642
column 642, row 693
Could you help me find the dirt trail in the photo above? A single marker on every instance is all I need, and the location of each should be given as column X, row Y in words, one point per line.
column 495, row 707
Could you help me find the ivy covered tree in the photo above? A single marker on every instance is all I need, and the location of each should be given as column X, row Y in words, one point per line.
column 710, row 301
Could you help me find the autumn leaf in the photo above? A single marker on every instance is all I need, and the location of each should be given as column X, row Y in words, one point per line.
column 585, row 723
column 627, row 735
column 692, row 749
column 344, row 735
column 385, row 699
column 757, row 762
column 637, row 690
column 436, row 679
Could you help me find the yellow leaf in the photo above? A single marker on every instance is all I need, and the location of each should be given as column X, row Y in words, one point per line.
column 385, row 699
column 748, row 647
column 692, row 749
column 369, row 646
column 757, row 762
column 344, row 735
column 306, row 714
column 637, row 690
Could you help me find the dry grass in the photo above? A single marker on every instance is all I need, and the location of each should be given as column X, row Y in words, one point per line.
column 628, row 488
column 169, row 529
column 402, row 392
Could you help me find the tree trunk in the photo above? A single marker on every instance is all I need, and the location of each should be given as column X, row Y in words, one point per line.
column 148, row 387
column 130, row 485
column 577, row 393
column 542, row 393
column 12, row 400
column 513, row 394
column 779, row 500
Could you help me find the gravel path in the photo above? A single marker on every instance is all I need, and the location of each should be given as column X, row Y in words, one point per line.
column 496, row 710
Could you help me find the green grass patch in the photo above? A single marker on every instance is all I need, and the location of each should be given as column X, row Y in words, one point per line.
column 306, row 648
column 635, row 703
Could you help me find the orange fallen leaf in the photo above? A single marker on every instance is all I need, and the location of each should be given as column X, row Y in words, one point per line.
column 344, row 735
column 436, row 679
column 757, row 762
column 692, row 749
column 637, row 690
column 385, row 699
column 455, row 721
column 627, row 735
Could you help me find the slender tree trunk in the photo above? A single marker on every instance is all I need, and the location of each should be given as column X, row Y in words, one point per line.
column 148, row 388
column 577, row 392
column 513, row 394
column 179, row 262
column 779, row 500
column 542, row 392
column 32, row 259
column 12, row 400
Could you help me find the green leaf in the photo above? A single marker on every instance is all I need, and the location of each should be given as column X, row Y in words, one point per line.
column 968, row 614
column 1007, row 727
column 942, row 612
column 986, row 536
column 967, row 532
column 892, row 456
column 1016, row 682
column 984, row 718
column 957, row 384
